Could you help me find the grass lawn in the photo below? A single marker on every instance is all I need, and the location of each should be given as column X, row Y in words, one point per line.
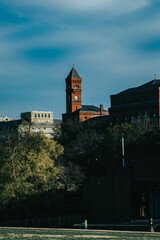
column 46, row 234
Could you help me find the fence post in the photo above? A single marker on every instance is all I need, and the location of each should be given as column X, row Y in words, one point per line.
column 59, row 221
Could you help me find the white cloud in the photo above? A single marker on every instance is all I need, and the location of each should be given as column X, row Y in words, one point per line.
column 104, row 52
column 118, row 6
column 107, row 5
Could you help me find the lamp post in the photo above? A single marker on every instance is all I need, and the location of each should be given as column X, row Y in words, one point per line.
column 123, row 162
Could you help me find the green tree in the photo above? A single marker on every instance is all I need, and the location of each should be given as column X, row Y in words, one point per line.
column 82, row 142
column 111, row 145
column 29, row 166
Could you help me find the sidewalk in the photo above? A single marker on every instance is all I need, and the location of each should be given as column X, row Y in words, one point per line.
column 137, row 225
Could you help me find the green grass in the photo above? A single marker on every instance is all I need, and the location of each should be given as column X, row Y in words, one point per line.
column 57, row 234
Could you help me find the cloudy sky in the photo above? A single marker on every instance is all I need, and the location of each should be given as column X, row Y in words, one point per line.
column 114, row 45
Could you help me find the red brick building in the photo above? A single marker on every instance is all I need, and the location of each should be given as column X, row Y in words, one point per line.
column 74, row 108
column 139, row 106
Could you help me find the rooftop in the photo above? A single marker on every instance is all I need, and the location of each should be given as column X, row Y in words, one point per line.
column 90, row 108
column 35, row 111
column 144, row 87
column 73, row 74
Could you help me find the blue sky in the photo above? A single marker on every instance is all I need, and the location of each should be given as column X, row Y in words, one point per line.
column 114, row 45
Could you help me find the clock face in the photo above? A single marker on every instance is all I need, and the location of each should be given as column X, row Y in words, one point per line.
column 76, row 97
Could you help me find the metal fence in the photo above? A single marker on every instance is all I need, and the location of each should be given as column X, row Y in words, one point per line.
column 57, row 222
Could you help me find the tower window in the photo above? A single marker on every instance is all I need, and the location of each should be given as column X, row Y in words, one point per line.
column 76, row 87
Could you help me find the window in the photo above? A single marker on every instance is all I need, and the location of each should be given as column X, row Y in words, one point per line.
column 138, row 119
column 38, row 115
column 48, row 115
column 45, row 115
column 42, row 115
column 145, row 118
column 125, row 119
column 76, row 87
column 35, row 115
column 132, row 120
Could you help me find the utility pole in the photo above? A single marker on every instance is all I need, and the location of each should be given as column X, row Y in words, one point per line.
column 123, row 162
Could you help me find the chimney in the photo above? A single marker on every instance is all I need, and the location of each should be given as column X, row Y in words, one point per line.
column 101, row 109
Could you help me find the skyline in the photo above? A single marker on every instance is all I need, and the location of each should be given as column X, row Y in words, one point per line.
column 113, row 44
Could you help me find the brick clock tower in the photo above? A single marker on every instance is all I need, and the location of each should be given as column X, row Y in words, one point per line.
column 74, row 109
column 73, row 91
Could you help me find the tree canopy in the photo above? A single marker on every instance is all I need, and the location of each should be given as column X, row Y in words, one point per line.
column 28, row 166
column 95, row 147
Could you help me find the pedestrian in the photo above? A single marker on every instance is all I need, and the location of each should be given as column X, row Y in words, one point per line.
column 151, row 225
column 85, row 223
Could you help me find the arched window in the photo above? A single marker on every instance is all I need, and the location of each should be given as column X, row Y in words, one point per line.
column 125, row 119
column 132, row 120
column 146, row 120
column 76, row 87
column 154, row 120
column 145, row 117
column 138, row 119
column 117, row 120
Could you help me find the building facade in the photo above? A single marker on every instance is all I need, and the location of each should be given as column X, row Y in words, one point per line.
column 131, row 192
column 34, row 121
column 127, row 193
column 139, row 106
column 38, row 116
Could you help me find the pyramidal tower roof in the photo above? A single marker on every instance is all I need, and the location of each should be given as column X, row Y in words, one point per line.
column 73, row 74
